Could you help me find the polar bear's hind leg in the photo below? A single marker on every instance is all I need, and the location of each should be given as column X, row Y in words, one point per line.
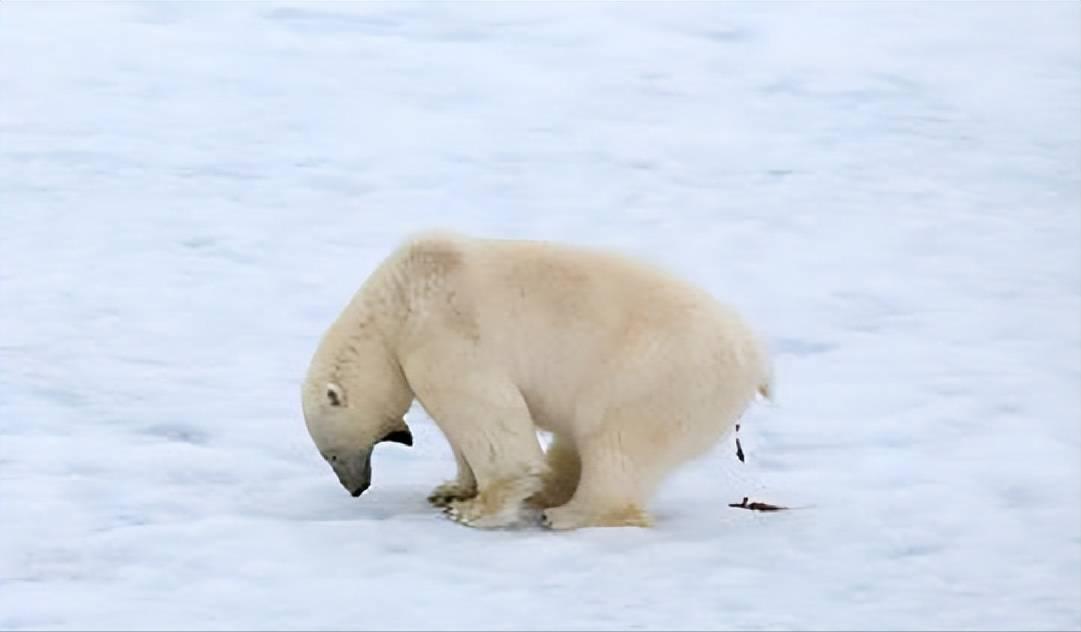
column 564, row 471
column 613, row 490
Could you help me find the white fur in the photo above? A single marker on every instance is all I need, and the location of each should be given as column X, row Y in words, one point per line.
column 633, row 371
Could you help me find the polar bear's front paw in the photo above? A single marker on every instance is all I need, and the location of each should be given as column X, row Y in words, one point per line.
column 449, row 492
column 474, row 512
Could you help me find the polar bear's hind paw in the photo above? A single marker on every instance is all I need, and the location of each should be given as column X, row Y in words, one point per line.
column 566, row 518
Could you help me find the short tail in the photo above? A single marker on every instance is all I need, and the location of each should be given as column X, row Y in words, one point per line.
column 766, row 387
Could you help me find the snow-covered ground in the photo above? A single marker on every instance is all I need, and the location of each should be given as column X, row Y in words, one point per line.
column 190, row 192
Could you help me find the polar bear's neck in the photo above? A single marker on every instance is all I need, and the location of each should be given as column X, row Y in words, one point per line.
column 364, row 348
column 356, row 355
column 407, row 284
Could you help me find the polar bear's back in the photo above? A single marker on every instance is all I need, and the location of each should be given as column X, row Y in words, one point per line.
column 559, row 290
column 568, row 321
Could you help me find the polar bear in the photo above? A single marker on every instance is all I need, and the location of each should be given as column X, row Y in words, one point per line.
column 632, row 371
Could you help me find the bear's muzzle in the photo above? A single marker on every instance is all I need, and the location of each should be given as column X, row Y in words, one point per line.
column 355, row 472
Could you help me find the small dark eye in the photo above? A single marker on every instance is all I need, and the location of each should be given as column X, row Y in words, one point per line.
column 333, row 459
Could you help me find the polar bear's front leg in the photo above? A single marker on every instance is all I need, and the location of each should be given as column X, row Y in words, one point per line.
column 463, row 487
column 506, row 459
column 486, row 420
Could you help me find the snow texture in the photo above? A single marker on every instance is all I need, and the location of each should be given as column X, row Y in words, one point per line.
column 190, row 192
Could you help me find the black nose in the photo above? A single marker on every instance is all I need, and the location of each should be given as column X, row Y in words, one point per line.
column 359, row 490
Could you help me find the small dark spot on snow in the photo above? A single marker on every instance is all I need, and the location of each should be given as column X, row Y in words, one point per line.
column 178, row 433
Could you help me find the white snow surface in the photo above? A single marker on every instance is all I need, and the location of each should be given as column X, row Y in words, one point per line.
column 891, row 192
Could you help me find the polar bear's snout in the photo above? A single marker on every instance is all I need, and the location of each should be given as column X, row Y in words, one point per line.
column 354, row 471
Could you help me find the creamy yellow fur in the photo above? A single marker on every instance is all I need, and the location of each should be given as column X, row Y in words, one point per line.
column 634, row 372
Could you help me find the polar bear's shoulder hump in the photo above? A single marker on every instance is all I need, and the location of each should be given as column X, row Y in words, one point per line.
column 439, row 248
column 434, row 241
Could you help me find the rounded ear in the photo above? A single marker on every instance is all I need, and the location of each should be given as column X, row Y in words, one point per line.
column 335, row 394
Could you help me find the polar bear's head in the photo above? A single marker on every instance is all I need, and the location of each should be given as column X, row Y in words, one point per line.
column 346, row 426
